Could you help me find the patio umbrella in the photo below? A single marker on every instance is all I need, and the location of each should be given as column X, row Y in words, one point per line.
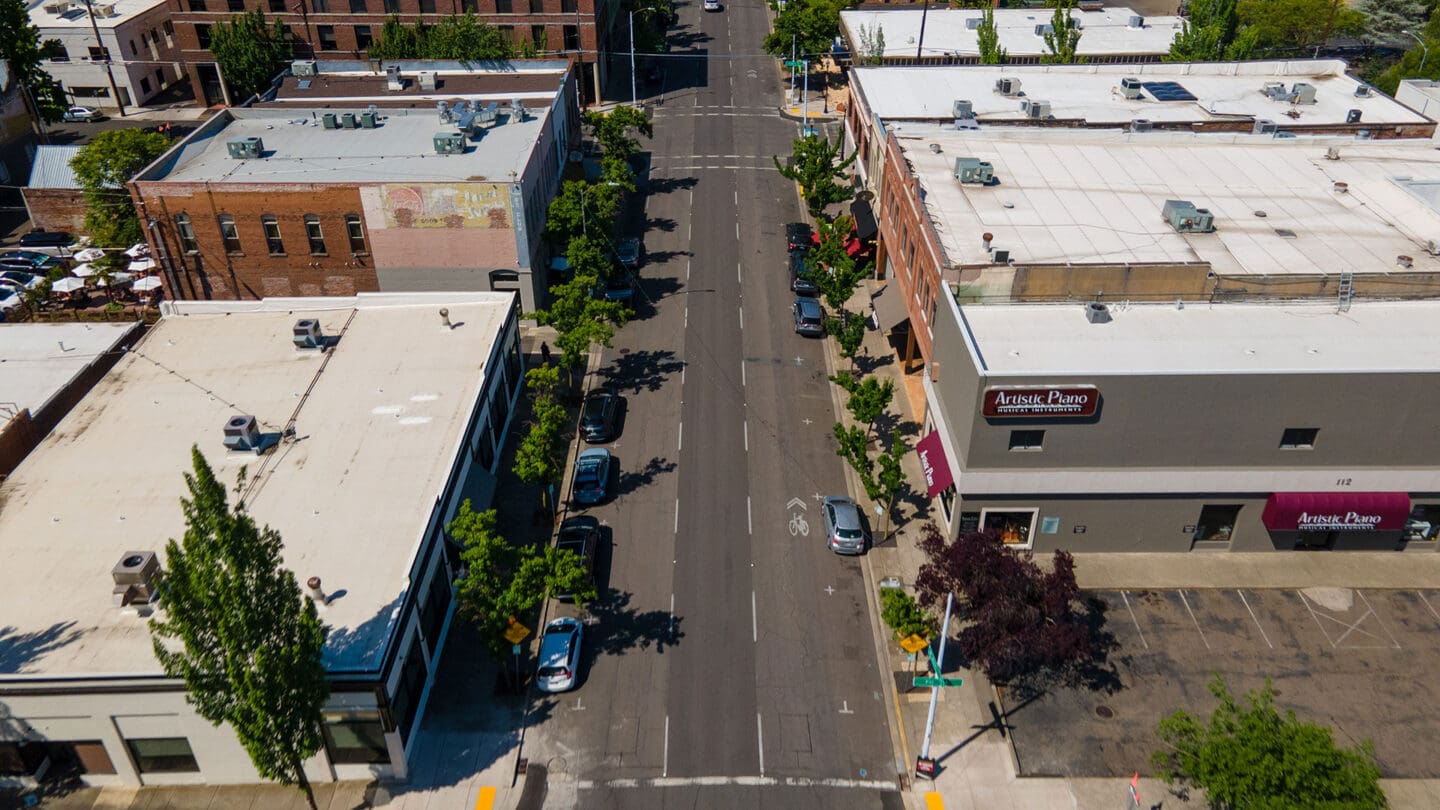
column 138, row 250
column 147, row 284
column 89, row 255
column 115, row 280
column 141, row 265
column 66, row 285
column 83, row 271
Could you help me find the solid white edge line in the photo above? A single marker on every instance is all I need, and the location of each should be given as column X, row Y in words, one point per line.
column 680, row 438
column 754, row 620
column 677, row 515
column 665, row 758
column 760, row 739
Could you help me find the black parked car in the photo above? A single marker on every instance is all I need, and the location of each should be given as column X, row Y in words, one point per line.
column 582, row 536
column 800, row 268
column 46, row 239
column 798, row 236
column 600, row 416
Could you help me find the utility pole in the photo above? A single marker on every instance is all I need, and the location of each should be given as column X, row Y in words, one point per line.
column 805, row 93
column 935, row 690
column 105, row 53
column 633, row 96
column 792, row 70
column 920, row 43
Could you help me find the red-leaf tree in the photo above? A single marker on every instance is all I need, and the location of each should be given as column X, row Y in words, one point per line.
column 1023, row 626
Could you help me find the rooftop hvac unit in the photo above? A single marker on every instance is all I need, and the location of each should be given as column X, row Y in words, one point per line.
column 1096, row 312
column 242, row 148
column 964, row 109
column 1136, row 21
column 1142, row 125
column 135, row 577
column 972, row 23
column 393, row 78
column 1274, row 90
column 973, row 170
column 330, row 120
column 347, row 121
column 1264, row 126
column 242, row 433
column 1043, row 29
column 303, row 67
column 307, row 334
column 1007, row 86
column 103, row 9
column 1035, row 108
column 487, row 114
column 427, row 80
column 442, row 108
column 1130, row 87
column 517, row 111
column 449, row 143
column 57, row 8
column 1352, row 117
column 1184, row 217
column 1362, row 91
column 368, row 119
column 1302, row 93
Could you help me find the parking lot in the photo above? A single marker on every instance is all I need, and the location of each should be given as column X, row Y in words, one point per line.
column 1358, row 661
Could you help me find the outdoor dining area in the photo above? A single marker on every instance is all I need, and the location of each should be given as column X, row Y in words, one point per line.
column 108, row 279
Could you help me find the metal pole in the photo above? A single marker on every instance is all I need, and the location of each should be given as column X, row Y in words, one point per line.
column 792, row 69
column 105, row 52
column 935, row 690
column 633, row 98
column 1424, row 50
column 920, row 44
column 805, row 92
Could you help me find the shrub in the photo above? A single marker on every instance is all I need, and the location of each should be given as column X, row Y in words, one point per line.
column 899, row 610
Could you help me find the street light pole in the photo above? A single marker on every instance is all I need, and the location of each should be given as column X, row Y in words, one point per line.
column 634, row 98
column 1424, row 49
column 935, row 690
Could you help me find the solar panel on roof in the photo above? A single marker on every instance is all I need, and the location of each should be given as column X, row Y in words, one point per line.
column 1168, row 91
column 303, row 84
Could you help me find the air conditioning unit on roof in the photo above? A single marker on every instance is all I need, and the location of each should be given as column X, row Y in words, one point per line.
column 1008, row 86
column 303, row 67
column 57, row 8
column 1131, row 87
column 449, row 143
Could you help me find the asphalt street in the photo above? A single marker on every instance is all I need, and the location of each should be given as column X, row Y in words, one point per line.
column 731, row 660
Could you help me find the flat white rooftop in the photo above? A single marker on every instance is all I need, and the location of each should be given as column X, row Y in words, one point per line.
column 298, row 149
column 1091, row 196
column 376, row 436
column 1105, row 33
column 1221, row 92
column 1228, row 338
column 107, row 14
column 37, row 360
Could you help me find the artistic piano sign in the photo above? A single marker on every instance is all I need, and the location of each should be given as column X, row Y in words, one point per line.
column 1041, row 401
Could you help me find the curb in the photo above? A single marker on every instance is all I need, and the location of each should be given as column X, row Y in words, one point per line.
column 823, row 118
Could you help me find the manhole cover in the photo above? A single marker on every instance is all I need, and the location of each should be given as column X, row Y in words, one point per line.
column 1105, row 712
column 624, row 351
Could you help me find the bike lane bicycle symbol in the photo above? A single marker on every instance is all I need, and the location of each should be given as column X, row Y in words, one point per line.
column 798, row 526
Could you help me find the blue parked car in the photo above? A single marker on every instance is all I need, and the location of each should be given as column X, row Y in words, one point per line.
column 591, row 482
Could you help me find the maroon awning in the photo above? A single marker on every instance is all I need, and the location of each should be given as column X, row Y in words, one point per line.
column 933, row 462
column 1336, row 511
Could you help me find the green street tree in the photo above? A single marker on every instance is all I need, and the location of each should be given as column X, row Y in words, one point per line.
column 461, row 37
column 1062, row 44
column 1297, row 27
column 1253, row 756
column 809, row 26
column 815, row 165
column 582, row 208
column 250, row 53
column 103, row 167
column 540, row 457
column 890, row 479
column 1386, row 21
column 851, row 444
column 835, row 273
column 991, row 53
column 502, row 582
column 900, row 613
column 238, row 631
column 872, row 45
column 22, row 49
column 616, row 130
column 582, row 318
column 1212, row 33
column 849, row 334
column 868, row 398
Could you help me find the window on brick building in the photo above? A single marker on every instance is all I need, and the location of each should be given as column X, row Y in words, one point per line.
column 169, row 33
column 427, row 6
column 537, row 6
column 202, row 35
column 503, row 7
column 392, row 6
column 186, row 234
column 197, row 5
column 470, row 6
column 277, row 6
column 358, row 7
column 145, row 85
column 230, row 234
column 320, row 6
column 315, row 235
column 355, row 232
column 326, row 35
column 273, row 243
column 507, row 35
column 363, row 37
column 569, row 6
column 235, row 5
column 538, row 38
column 572, row 37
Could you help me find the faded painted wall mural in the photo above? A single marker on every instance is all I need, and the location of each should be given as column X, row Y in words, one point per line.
column 443, row 205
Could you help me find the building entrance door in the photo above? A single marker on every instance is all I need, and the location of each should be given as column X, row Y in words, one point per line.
column 1315, row 541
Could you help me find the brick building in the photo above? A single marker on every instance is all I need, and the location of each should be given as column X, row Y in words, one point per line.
column 343, row 198
column 580, row 30
column 53, row 197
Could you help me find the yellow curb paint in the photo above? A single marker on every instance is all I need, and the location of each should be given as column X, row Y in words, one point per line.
column 934, row 802
column 486, row 799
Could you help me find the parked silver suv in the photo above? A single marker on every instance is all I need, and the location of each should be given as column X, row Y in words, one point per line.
column 844, row 531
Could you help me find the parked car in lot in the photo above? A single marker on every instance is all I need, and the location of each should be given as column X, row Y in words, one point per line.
column 559, row 655
column 799, row 236
column 86, row 114
column 28, row 261
column 580, row 535
column 800, row 268
column 46, row 239
column 809, row 317
column 630, row 252
column 19, row 279
column 712, row 5
column 600, row 415
column 618, row 287
column 844, row 533
column 591, row 482
column 9, row 301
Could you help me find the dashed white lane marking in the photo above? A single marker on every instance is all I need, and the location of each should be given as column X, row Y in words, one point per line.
column 1255, row 618
column 749, row 524
column 665, row 758
column 746, row 426
column 760, row 739
column 742, row 318
column 754, row 620
column 680, row 439
column 677, row 516
column 742, row 383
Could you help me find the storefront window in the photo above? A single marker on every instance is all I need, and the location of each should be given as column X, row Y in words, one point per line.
column 1423, row 524
column 163, row 755
column 1014, row 526
column 356, row 737
column 1216, row 523
column 947, row 502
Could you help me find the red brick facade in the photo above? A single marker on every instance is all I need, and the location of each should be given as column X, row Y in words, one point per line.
column 55, row 209
column 207, row 268
column 336, row 29
column 909, row 250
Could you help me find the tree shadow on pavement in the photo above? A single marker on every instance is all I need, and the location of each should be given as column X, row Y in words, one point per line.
column 18, row 650
column 645, row 370
column 618, row 628
column 664, row 224
column 665, row 185
column 629, row 481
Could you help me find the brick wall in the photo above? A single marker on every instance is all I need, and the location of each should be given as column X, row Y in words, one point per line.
column 908, row 245
column 55, row 209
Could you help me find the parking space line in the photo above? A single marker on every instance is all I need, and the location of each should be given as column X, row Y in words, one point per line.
column 1193, row 619
column 1255, row 618
column 1314, row 616
column 1394, row 641
column 1350, row 628
column 1134, row 620
column 1421, row 594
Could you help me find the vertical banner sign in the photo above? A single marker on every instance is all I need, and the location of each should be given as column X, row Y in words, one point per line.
column 933, row 462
